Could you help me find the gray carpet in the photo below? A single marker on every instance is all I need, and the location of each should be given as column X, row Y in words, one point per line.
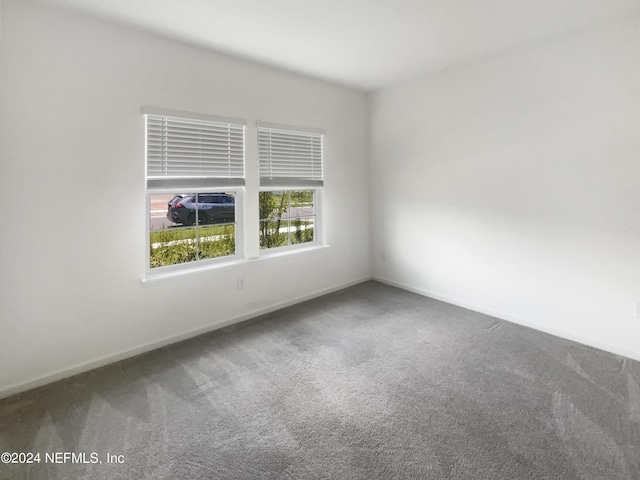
column 368, row 383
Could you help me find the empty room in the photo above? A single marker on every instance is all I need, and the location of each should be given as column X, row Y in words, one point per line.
column 320, row 240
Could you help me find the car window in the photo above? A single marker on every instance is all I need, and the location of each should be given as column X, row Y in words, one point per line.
column 212, row 198
column 205, row 199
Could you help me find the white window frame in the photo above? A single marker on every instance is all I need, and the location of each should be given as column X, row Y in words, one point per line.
column 317, row 229
column 239, row 232
column 164, row 184
column 311, row 179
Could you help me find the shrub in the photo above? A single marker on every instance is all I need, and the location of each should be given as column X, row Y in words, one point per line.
column 171, row 247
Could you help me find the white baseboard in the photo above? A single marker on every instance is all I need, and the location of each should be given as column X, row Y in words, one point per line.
column 510, row 318
column 106, row 360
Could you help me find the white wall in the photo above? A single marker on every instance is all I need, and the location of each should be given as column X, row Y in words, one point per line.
column 512, row 186
column 72, row 249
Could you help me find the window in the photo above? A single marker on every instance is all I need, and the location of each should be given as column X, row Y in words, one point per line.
column 291, row 180
column 195, row 183
column 287, row 217
column 195, row 178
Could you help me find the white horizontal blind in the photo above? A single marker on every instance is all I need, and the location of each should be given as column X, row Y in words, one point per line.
column 181, row 148
column 288, row 157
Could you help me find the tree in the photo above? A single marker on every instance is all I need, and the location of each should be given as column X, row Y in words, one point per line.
column 272, row 206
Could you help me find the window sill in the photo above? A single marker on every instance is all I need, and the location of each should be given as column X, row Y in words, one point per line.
column 264, row 256
column 290, row 250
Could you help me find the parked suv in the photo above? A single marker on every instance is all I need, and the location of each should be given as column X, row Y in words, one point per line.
column 211, row 207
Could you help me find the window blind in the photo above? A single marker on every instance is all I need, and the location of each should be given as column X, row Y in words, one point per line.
column 288, row 157
column 184, row 148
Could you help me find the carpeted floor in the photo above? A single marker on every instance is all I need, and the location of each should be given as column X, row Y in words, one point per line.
column 368, row 383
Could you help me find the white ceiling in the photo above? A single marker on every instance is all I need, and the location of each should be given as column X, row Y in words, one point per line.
column 366, row 44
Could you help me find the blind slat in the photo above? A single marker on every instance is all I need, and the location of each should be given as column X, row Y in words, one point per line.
column 180, row 147
column 289, row 156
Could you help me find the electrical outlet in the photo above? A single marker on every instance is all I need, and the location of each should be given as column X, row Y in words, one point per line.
column 636, row 309
column 383, row 256
column 240, row 283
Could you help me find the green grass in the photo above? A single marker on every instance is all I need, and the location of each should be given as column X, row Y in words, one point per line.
column 172, row 246
column 280, row 239
column 285, row 223
column 181, row 233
